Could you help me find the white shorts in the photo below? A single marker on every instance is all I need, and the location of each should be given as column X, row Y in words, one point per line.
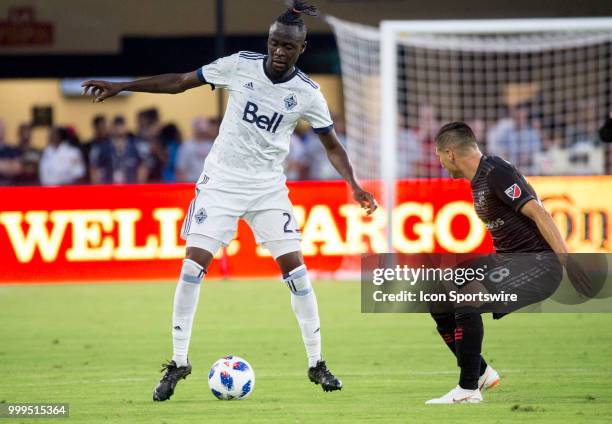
column 214, row 213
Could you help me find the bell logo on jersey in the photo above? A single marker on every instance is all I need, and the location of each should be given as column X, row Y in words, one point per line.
column 268, row 123
column 513, row 192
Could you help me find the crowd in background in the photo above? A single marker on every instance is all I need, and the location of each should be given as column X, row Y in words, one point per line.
column 152, row 152
column 536, row 146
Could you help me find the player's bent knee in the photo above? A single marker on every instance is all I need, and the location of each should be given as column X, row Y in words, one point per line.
column 278, row 248
column 201, row 249
column 298, row 281
column 192, row 272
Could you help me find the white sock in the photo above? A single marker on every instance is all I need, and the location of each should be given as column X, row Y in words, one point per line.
column 304, row 304
column 186, row 298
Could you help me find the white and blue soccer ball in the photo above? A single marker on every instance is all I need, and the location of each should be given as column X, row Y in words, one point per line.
column 231, row 378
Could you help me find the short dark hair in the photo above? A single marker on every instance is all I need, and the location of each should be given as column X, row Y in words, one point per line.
column 98, row 119
column 456, row 134
column 170, row 133
column 293, row 15
column 151, row 114
column 119, row 120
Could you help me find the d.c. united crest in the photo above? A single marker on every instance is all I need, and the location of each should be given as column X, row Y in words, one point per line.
column 513, row 192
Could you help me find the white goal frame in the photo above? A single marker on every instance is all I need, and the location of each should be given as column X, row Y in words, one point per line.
column 390, row 33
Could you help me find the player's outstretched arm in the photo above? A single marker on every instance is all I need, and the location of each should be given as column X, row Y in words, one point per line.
column 340, row 160
column 166, row 83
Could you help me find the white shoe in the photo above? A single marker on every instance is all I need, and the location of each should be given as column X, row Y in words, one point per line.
column 458, row 395
column 489, row 379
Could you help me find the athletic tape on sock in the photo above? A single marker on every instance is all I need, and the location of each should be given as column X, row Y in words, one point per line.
column 298, row 281
column 192, row 272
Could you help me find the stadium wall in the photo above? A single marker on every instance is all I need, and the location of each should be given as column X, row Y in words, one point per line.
column 118, row 233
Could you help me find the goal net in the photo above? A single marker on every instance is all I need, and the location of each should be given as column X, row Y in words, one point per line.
column 535, row 91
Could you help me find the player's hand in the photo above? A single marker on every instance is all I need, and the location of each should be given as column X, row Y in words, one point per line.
column 365, row 199
column 578, row 277
column 100, row 90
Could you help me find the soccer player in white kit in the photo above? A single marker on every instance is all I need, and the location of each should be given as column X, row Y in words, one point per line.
column 243, row 177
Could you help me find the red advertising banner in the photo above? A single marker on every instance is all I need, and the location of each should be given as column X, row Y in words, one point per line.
column 118, row 233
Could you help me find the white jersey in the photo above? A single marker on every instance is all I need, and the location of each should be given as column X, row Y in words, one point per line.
column 260, row 117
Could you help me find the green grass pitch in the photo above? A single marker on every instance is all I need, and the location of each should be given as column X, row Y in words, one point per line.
column 99, row 347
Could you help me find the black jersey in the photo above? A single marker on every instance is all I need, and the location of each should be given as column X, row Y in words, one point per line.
column 500, row 191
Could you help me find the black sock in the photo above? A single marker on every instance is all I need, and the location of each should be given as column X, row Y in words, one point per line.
column 468, row 344
column 446, row 327
column 483, row 363
column 445, row 324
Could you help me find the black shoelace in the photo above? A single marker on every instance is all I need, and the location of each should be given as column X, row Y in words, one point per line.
column 169, row 367
column 324, row 371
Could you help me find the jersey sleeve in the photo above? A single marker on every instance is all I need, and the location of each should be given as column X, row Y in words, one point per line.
column 510, row 187
column 318, row 115
column 220, row 72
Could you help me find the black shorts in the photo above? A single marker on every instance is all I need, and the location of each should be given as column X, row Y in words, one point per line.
column 512, row 280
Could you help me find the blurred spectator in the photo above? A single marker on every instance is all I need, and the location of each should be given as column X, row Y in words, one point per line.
column 191, row 154
column 517, row 140
column 155, row 161
column 586, row 154
column 605, row 135
column 428, row 124
column 170, row 138
column 30, row 156
column 582, row 127
column 302, row 152
column 605, row 131
column 61, row 162
column 294, row 162
column 10, row 163
column 100, row 132
column 478, row 126
column 72, row 137
column 408, row 150
column 117, row 160
column 148, row 144
column 148, row 124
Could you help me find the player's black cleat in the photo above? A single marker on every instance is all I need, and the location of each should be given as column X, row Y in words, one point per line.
column 166, row 385
column 319, row 374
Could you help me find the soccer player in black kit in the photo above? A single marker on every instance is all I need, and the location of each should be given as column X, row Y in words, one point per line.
column 528, row 248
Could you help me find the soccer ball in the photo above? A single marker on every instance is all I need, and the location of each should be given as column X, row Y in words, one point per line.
column 231, row 378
